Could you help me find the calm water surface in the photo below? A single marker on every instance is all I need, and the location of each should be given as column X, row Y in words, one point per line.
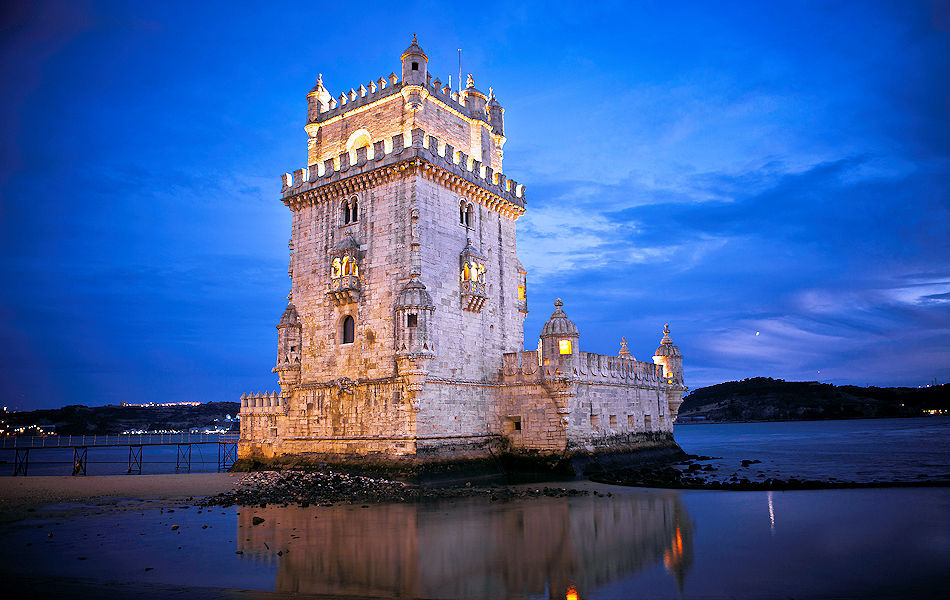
column 876, row 543
column 856, row 450
column 635, row 543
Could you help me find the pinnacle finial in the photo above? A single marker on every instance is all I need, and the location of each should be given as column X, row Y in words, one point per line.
column 491, row 93
column 319, row 78
column 558, row 303
column 414, row 39
column 470, row 82
column 666, row 335
column 624, row 351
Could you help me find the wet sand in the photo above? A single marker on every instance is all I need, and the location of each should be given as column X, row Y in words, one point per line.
column 23, row 496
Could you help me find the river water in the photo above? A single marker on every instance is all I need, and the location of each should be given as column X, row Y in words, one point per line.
column 642, row 543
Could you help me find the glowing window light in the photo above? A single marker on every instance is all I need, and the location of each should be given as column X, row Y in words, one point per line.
column 564, row 346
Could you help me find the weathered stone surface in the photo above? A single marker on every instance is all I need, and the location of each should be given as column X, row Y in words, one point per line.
column 403, row 337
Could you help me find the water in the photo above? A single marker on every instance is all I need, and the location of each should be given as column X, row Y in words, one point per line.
column 862, row 450
column 635, row 543
column 868, row 543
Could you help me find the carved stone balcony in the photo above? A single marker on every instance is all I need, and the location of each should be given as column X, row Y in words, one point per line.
column 473, row 295
column 344, row 289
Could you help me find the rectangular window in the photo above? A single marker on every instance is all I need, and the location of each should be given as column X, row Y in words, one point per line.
column 647, row 423
column 415, row 66
column 594, row 422
column 613, row 422
column 521, row 292
column 515, row 423
column 564, row 346
column 631, row 422
column 412, row 320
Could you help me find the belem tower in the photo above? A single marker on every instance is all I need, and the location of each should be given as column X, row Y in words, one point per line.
column 403, row 335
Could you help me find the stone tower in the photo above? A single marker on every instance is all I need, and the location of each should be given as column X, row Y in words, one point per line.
column 403, row 333
column 406, row 286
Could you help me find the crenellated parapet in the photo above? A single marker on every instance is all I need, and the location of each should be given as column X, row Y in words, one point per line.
column 524, row 367
column 383, row 89
column 266, row 403
column 389, row 159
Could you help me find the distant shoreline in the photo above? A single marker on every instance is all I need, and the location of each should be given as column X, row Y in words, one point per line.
column 728, row 422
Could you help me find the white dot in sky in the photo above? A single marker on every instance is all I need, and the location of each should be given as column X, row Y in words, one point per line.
column 756, row 333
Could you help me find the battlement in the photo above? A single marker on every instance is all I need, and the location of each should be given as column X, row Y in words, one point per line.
column 587, row 367
column 261, row 403
column 385, row 87
column 387, row 153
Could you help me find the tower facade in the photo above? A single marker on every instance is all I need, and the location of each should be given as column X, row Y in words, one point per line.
column 407, row 298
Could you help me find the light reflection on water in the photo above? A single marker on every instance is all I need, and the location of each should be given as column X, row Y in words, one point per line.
column 552, row 547
column 868, row 543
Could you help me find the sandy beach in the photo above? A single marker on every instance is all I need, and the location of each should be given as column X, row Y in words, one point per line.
column 20, row 496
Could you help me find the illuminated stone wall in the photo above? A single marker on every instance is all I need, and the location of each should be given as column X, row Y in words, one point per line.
column 406, row 155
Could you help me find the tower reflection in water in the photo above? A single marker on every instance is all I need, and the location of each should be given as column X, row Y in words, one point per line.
column 473, row 548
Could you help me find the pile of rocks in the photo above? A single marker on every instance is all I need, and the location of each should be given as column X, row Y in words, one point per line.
column 326, row 486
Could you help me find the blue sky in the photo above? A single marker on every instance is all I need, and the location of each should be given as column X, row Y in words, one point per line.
column 773, row 179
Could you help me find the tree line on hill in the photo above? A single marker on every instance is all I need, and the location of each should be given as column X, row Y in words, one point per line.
column 767, row 399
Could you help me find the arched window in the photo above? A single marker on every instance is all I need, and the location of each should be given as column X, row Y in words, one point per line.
column 462, row 212
column 345, row 212
column 470, row 216
column 348, row 329
column 353, row 212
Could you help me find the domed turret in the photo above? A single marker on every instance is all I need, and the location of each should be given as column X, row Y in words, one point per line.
column 414, row 343
column 318, row 100
column 559, row 337
column 559, row 324
column 474, row 99
column 288, row 349
column 414, row 64
column 496, row 114
column 669, row 356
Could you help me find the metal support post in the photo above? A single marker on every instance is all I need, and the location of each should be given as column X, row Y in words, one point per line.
column 135, row 459
column 79, row 460
column 227, row 455
column 21, row 462
column 184, row 457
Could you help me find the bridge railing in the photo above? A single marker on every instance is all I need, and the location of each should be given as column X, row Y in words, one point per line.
column 135, row 439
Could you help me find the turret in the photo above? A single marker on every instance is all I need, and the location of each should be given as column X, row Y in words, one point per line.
column 474, row 99
column 496, row 114
column 669, row 356
column 559, row 340
column 414, row 64
column 288, row 350
column 414, row 325
column 318, row 100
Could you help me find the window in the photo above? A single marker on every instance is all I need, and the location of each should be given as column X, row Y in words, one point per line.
column 412, row 320
column 522, row 295
column 647, row 423
column 594, row 422
column 462, row 213
column 631, row 422
column 470, row 216
column 348, row 329
column 349, row 211
column 613, row 422
column 564, row 346
column 415, row 66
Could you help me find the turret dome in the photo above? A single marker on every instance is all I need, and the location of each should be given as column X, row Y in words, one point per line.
column 290, row 316
column 559, row 324
column 414, row 295
column 666, row 347
column 414, row 49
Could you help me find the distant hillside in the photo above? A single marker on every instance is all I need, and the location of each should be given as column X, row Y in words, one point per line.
column 79, row 420
column 767, row 399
